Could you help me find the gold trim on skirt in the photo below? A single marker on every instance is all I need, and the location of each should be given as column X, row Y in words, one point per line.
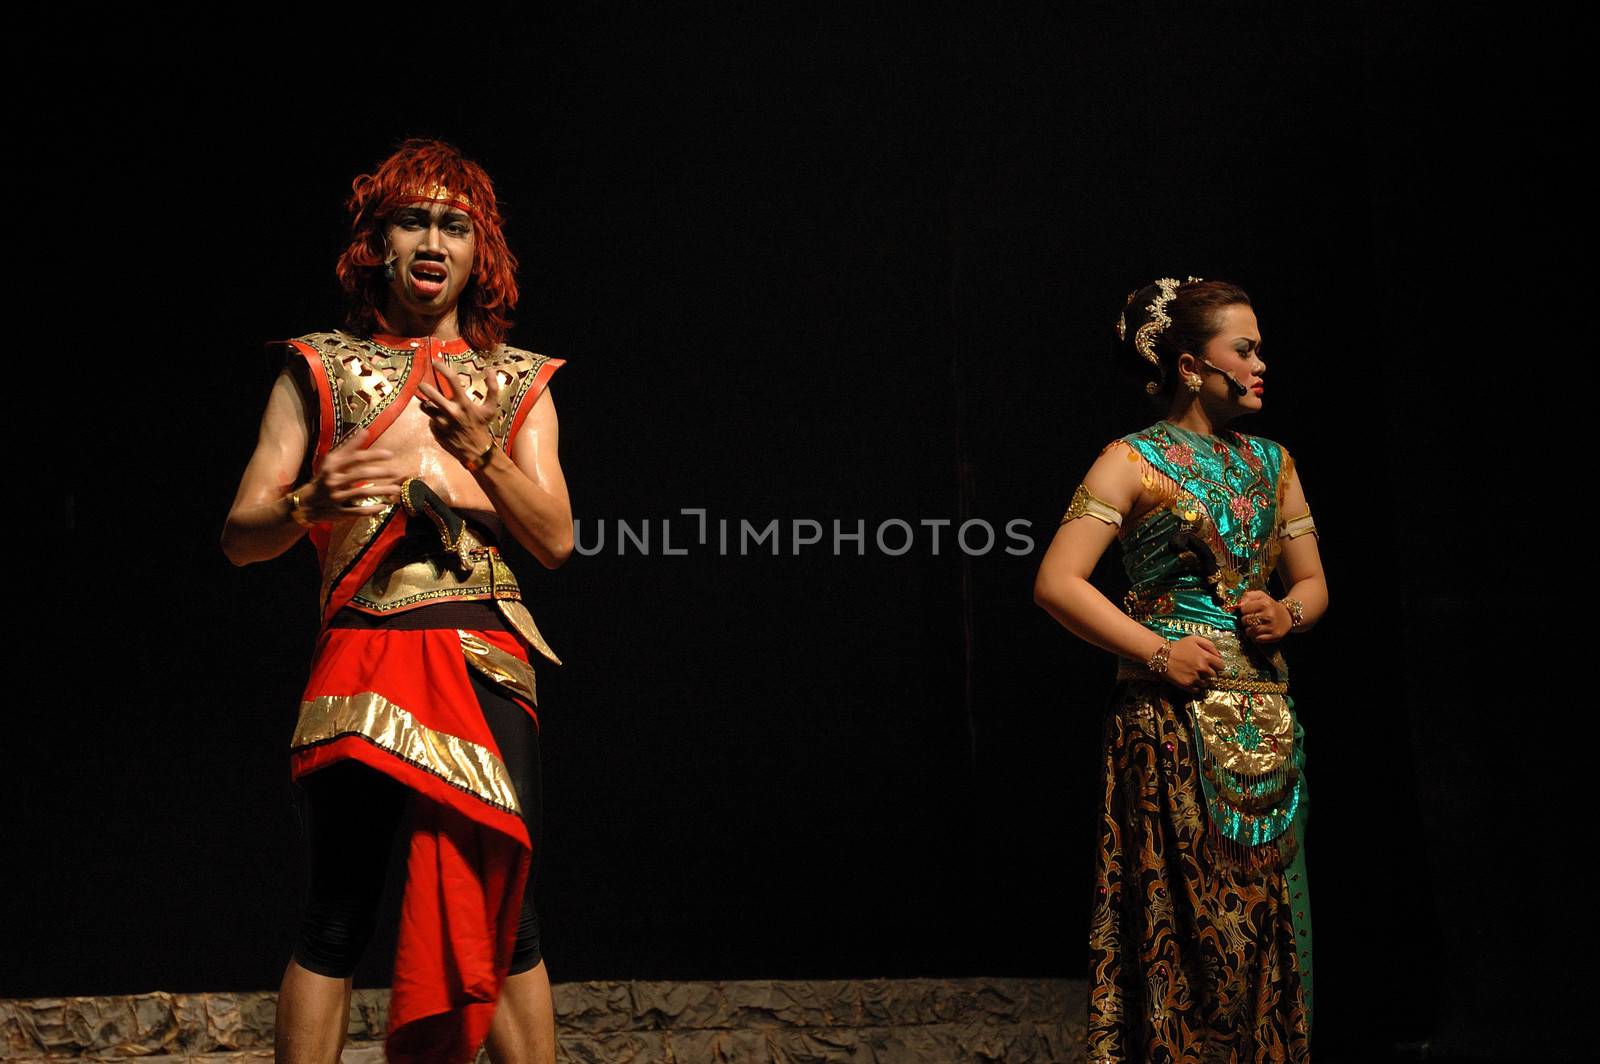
column 473, row 768
column 507, row 670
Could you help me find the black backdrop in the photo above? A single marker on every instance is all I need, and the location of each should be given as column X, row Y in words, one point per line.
column 837, row 269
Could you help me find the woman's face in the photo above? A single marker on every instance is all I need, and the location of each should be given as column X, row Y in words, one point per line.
column 1235, row 351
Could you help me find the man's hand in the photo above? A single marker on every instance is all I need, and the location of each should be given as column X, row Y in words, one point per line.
column 460, row 425
column 350, row 479
column 1264, row 619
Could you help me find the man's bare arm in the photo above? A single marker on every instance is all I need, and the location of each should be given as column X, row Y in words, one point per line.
column 260, row 525
column 528, row 489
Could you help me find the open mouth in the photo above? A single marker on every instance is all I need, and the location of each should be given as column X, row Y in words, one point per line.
column 429, row 272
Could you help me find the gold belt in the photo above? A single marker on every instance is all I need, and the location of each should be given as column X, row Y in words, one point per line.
column 1127, row 670
column 418, row 573
column 407, row 579
column 1242, row 671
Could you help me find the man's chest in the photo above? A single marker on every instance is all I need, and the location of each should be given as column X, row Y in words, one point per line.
column 410, row 437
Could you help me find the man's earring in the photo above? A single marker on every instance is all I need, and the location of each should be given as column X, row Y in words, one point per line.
column 388, row 269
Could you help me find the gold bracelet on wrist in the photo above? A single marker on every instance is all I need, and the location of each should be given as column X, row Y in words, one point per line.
column 297, row 510
column 1158, row 661
column 477, row 463
column 1297, row 612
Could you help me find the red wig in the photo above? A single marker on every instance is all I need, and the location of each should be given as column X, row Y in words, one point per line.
column 423, row 171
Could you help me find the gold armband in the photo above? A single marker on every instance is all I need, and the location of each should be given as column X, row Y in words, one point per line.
column 1086, row 503
column 1296, row 527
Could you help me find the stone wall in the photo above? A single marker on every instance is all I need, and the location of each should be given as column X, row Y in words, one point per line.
column 883, row 1021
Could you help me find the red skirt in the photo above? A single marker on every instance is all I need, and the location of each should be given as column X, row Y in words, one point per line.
column 402, row 702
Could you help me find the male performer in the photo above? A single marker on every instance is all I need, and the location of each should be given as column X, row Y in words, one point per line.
column 404, row 446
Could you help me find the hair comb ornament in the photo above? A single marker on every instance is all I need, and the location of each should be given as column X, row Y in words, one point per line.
column 1144, row 340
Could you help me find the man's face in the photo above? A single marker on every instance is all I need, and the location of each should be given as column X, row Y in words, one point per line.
column 433, row 245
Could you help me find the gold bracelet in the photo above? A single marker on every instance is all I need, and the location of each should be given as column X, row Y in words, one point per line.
column 1158, row 661
column 1297, row 612
column 475, row 464
column 297, row 511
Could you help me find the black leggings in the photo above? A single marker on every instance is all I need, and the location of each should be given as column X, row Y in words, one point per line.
column 354, row 813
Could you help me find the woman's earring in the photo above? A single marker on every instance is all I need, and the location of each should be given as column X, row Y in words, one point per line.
column 1193, row 382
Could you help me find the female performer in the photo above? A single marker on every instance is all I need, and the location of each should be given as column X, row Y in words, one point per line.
column 1200, row 942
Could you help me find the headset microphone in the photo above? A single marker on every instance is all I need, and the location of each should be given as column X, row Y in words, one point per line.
column 1233, row 382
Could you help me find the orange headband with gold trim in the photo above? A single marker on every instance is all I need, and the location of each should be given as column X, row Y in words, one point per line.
column 433, row 194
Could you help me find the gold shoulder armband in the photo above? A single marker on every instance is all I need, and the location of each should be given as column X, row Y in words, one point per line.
column 1296, row 527
column 1086, row 503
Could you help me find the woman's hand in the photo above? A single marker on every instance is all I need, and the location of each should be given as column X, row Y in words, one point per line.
column 349, row 480
column 460, row 425
column 1263, row 618
column 1194, row 661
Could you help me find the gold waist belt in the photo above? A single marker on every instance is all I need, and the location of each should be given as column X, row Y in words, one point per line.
column 1244, row 667
column 1127, row 670
column 418, row 573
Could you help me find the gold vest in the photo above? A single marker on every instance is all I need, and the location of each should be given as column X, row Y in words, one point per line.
column 364, row 384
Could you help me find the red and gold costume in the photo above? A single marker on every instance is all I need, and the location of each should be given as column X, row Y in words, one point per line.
column 400, row 699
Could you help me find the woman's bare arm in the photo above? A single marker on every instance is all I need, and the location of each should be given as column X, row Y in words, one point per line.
column 1063, row 589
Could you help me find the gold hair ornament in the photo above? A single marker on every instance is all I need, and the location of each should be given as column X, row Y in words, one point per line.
column 1144, row 341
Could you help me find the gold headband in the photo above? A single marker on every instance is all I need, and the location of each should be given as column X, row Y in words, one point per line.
column 437, row 194
column 1144, row 341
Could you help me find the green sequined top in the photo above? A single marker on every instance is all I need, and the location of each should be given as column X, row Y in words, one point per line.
column 1212, row 537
